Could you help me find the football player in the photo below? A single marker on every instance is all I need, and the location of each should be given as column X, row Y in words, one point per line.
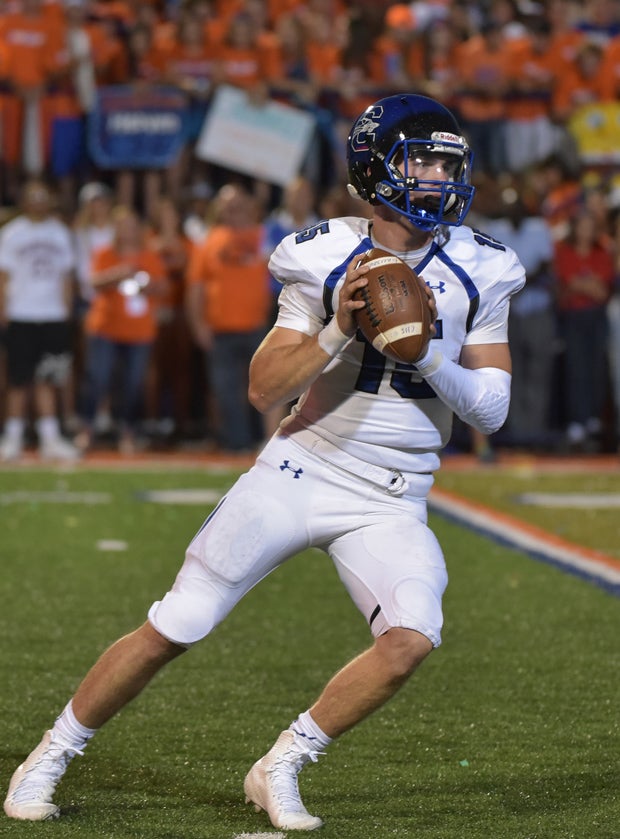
column 350, row 468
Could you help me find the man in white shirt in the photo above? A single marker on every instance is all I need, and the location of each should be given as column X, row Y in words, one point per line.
column 532, row 325
column 36, row 288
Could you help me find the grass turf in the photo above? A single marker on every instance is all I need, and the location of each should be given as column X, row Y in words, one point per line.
column 509, row 730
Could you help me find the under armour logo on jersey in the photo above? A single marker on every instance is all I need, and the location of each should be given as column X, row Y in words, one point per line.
column 441, row 286
column 296, row 472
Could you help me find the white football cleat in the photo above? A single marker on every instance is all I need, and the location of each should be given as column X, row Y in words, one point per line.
column 271, row 784
column 58, row 448
column 33, row 783
column 10, row 448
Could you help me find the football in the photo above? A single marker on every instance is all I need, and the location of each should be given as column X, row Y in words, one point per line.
column 396, row 319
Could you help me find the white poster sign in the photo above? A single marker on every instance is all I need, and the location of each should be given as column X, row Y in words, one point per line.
column 267, row 141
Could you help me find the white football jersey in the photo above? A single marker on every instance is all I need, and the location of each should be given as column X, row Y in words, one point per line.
column 364, row 403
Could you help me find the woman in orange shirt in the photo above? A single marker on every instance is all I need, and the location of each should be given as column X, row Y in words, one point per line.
column 228, row 303
column 121, row 323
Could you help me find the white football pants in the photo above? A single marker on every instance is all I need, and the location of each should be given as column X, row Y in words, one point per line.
column 370, row 520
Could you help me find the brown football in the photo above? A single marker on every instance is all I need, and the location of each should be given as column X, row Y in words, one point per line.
column 396, row 319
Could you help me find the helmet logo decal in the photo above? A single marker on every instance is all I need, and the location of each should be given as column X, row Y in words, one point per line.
column 447, row 142
column 447, row 137
column 363, row 132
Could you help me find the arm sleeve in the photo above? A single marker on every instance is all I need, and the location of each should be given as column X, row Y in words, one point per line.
column 479, row 397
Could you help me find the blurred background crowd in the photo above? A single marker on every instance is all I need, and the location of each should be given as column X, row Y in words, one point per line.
column 133, row 278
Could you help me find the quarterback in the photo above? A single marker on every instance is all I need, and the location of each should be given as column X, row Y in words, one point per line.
column 350, row 468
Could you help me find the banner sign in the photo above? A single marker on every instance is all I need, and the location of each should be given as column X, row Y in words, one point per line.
column 136, row 128
column 266, row 140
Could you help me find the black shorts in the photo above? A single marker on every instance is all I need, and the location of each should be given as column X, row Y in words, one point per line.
column 38, row 352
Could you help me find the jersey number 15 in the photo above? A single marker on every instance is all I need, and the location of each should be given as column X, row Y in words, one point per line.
column 404, row 378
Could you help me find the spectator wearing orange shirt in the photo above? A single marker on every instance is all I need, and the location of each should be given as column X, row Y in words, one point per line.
column 483, row 63
column 268, row 41
column 432, row 61
column 581, row 83
column 357, row 81
column 33, row 40
column 243, row 61
column 295, row 81
column 323, row 50
column 391, row 53
column 121, row 324
column 145, row 61
column 566, row 38
column 228, row 304
column 531, row 135
column 190, row 67
column 4, row 106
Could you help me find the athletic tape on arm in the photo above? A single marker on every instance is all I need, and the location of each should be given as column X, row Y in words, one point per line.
column 332, row 339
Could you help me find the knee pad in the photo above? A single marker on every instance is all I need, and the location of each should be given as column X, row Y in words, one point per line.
column 186, row 616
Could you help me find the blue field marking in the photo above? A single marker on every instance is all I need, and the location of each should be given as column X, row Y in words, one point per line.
column 590, row 565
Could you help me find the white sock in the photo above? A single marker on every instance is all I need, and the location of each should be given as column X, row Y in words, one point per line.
column 48, row 428
column 14, row 428
column 70, row 731
column 305, row 726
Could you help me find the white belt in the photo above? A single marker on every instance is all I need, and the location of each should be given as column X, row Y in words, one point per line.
column 392, row 480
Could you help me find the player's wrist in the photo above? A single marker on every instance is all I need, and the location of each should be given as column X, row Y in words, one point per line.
column 429, row 362
column 332, row 339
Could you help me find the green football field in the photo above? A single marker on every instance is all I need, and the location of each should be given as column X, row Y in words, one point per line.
column 508, row 731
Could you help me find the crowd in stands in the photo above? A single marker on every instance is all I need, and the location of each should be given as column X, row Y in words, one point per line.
column 155, row 276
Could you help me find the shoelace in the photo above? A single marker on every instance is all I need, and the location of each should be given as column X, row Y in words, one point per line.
column 40, row 780
column 284, row 775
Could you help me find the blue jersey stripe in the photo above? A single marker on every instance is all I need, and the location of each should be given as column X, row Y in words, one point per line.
column 468, row 284
column 336, row 273
column 432, row 252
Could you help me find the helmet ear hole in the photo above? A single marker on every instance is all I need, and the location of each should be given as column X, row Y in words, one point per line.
column 360, row 181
